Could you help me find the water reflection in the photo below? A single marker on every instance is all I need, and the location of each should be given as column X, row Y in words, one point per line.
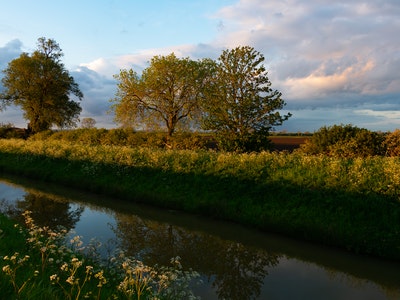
column 235, row 263
column 236, row 271
column 46, row 210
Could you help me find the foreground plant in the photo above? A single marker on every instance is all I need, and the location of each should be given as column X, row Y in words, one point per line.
column 51, row 270
column 155, row 282
column 72, row 285
column 14, row 263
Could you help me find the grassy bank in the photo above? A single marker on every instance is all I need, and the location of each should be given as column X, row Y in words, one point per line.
column 36, row 263
column 349, row 203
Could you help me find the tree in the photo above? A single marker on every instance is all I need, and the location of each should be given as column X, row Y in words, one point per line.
column 88, row 123
column 168, row 92
column 240, row 105
column 41, row 86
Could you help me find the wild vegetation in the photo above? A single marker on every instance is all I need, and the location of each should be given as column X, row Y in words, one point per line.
column 35, row 263
column 350, row 202
column 128, row 137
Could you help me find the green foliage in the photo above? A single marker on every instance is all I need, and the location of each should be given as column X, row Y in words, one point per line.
column 189, row 141
column 126, row 137
column 233, row 95
column 167, row 93
column 240, row 105
column 254, row 141
column 392, row 143
column 41, row 86
column 345, row 141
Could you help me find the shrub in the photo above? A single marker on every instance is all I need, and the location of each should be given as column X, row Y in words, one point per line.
column 188, row 141
column 392, row 143
column 8, row 131
column 117, row 137
column 252, row 142
column 344, row 141
column 43, row 135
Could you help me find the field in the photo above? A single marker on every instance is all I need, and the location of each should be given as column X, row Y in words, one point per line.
column 288, row 143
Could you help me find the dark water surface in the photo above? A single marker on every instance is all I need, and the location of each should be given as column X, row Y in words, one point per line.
column 234, row 262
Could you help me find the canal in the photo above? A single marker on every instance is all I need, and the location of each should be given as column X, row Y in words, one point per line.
column 234, row 262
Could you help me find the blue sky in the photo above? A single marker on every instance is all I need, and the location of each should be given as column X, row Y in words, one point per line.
column 334, row 61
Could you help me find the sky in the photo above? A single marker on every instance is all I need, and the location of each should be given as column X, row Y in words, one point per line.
column 335, row 62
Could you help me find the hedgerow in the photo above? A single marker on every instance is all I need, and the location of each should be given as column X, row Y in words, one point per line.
column 345, row 141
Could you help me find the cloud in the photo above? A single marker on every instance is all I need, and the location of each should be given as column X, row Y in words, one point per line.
column 97, row 90
column 139, row 60
column 10, row 51
column 388, row 114
column 316, row 50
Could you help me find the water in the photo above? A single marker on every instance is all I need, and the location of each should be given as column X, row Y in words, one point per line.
column 234, row 262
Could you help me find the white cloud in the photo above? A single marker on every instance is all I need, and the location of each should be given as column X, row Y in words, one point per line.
column 317, row 49
column 140, row 60
column 387, row 114
column 322, row 82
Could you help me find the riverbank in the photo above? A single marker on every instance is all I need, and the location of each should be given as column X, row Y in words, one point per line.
column 347, row 203
column 36, row 263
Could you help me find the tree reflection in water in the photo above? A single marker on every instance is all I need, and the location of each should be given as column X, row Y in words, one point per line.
column 235, row 271
column 46, row 210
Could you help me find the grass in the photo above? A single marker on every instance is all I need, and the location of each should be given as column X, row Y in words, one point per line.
column 37, row 265
column 349, row 203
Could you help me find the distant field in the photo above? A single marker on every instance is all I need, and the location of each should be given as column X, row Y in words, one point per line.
column 287, row 142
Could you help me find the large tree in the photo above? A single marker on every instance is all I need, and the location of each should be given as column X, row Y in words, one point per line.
column 240, row 105
column 168, row 93
column 41, row 86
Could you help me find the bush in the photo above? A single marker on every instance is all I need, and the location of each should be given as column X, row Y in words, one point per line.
column 8, row 131
column 127, row 137
column 188, row 141
column 392, row 143
column 41, row 136
column 344, row 141
column 252, row 142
